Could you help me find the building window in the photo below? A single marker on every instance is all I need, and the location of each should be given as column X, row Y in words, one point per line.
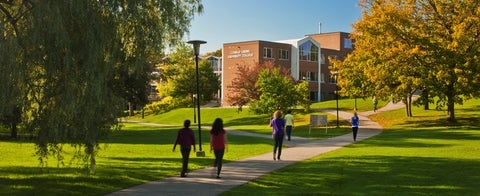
column 314, row 76
column 308, row 52
column 347, row 43
column 322, row 59
column 267, row 53
column 283, row 54
column 322, row 77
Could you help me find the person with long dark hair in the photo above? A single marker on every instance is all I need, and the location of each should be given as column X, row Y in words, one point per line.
column 218, row 143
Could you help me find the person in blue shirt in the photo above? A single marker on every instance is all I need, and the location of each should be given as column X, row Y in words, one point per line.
column 354, row 121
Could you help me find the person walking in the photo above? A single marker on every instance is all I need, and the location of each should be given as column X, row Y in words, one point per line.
column 218, row 143
column 355, row 122
column 289, row 124
column 278, row 133
column 186, row 139
column 375, row 103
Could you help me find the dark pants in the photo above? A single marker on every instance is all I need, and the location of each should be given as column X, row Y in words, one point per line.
column 355, row 131
column 218, row 160
column 289, row 131
column 185, row 157
column 277, row 143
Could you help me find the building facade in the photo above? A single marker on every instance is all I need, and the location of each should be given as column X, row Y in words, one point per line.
column 305, row 58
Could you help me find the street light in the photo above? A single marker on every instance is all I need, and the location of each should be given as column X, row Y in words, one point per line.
column 194, row 111
column 335, row 74
column 196, row 50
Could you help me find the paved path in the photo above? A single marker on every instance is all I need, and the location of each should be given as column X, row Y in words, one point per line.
column 202, row 182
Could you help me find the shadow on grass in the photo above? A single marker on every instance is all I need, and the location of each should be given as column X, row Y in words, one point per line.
column 371, row 175
column 68, row 181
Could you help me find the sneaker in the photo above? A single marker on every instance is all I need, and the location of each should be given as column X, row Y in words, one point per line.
column 183, row 175
column 218, row 177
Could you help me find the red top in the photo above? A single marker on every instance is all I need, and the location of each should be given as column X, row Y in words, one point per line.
column 218, row 141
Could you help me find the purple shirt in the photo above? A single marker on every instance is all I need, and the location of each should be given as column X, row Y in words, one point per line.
column 278, row 125
column 185, row 137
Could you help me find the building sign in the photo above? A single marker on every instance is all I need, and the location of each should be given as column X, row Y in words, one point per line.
column 240, row 54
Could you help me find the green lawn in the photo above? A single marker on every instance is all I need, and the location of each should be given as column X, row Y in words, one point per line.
column 424, row 155
column 133, row 156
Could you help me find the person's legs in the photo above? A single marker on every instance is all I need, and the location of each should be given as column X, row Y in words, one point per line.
column 279, row 139
column 185, row 157
column 355, row 131
column 275, row 146
column 289, row 132
column 218, row 160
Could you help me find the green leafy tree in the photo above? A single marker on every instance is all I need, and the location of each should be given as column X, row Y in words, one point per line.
column 72, row 56
column 179, row 75
column 277, row 92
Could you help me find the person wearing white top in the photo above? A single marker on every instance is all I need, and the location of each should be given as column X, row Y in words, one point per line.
column 289, row 124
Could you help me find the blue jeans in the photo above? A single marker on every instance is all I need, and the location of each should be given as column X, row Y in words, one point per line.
column 289, row 131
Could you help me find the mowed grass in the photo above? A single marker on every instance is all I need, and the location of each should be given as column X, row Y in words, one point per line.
column 423, row 155
column 135, row 155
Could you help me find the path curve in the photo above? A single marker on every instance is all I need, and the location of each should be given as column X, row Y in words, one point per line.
column 202, row 182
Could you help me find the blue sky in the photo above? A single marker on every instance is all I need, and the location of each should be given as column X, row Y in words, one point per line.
column 226, row 21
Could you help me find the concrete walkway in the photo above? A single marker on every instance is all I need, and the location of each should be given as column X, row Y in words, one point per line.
column 202, row 182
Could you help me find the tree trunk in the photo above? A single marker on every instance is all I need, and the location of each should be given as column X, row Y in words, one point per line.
column 450, row 103
column 409, row 103
column 451, row 109
column 131, row 106
column 14, row 132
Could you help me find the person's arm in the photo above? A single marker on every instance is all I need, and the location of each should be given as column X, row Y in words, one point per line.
column 211, row 142
column 175, row 142
column 226, row 141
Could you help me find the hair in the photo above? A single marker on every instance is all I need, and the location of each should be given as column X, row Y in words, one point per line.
column 277, row 114
column 217, row 126
column 186, row 123
column 289, row 111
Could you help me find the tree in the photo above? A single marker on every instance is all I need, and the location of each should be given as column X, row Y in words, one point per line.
column 243, row 87
column 429, row 45
column 180, row 71
column 277, row 92
column 73, row 53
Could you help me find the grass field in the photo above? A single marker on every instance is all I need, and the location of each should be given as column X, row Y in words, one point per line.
column 423, row 155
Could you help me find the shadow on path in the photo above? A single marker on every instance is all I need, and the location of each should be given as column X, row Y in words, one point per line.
column 202, row 182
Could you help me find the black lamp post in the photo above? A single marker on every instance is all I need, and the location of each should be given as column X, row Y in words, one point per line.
column 194, row 111
column 335, row 74
column 196, row 50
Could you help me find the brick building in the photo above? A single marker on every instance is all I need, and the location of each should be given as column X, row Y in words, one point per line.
column 306, row 58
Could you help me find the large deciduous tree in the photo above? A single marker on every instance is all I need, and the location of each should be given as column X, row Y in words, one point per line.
column 430, row 45
column 69, row 57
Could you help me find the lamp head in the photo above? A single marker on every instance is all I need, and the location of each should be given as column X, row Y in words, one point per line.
column 196, row 45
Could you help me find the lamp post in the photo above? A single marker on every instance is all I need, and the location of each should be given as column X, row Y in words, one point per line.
column 194, row 111
column 335, row 74
column 196, row 50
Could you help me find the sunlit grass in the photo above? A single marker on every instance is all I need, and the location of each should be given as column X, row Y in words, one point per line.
column 134, row 155
column 423, row 155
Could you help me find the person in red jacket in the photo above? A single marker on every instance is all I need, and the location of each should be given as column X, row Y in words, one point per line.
column 218, row 143
column 186, row 139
